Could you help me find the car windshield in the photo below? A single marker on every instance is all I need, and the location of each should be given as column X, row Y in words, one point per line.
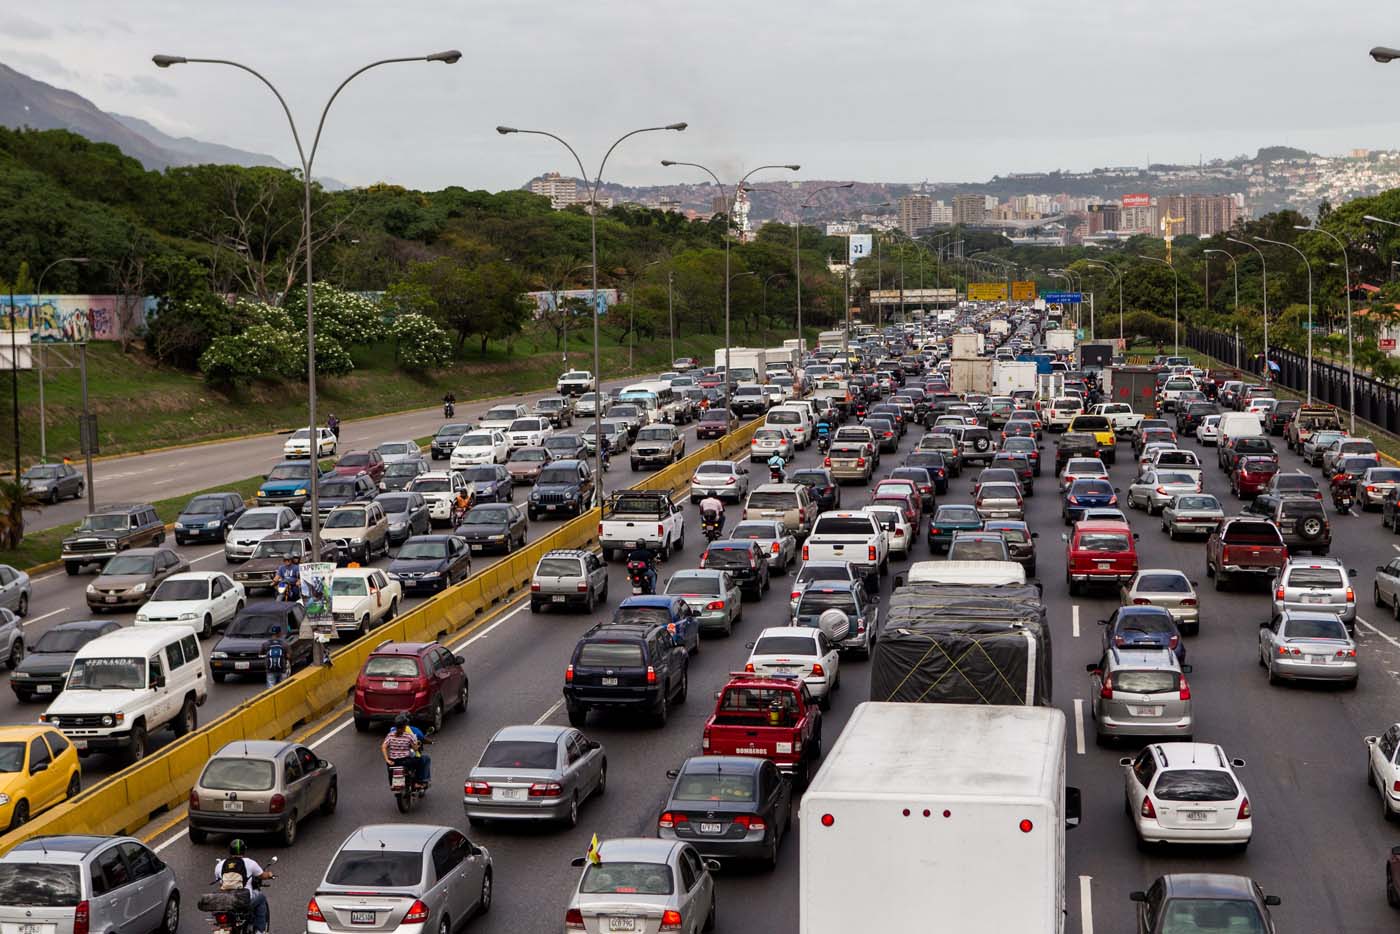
column 39, row 885
column 477, row 439
column 519, row 754
column 256, row 520
column 98, row 674
column 611, row 878
column 714, row 786
column 1150, row 681
column 432, row 485
column 290, row 472
column 685, row 584
column 642, row 614
column 530, row 455
column 1197, row 915
column 255, row 625
column 1163, row 583
column 816, row 600
column 63, row 640
column 1315, row 628
column 378, row 868
column 332, row 489
column 173, row 590
column 1197, row 502
column 346, row 519
column 278, row 548
column 422, row 550
column 237, row 774
column 1195, row 785
column 130, row 564
column 654, row 434
column 42, row 473
column 113, row 522
column 1103, row 542
column 349, row 586
column 502, row 413
column 397, row 447
column 610, row 655
column 354, row 460
column 486, row 517
column 402, row 469
column 203, row 506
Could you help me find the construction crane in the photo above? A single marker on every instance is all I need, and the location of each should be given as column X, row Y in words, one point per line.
column 1167, row 222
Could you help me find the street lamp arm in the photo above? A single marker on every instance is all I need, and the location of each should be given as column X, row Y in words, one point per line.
column 448, row 58
column 165, row 61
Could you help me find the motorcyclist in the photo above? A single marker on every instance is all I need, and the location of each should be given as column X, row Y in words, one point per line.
column 645, row 555
column 461, row 505
column 401, row 748
column 242, row 865
column 1343, row 483
column 422, row 738
column 712, row 507
column 290, row 574
column 776, row 465
column 449, row 404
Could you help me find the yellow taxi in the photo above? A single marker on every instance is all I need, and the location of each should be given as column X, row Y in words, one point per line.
column 38, row 769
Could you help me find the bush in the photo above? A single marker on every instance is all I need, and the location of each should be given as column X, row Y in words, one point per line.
column 349, row 318
column 248, row 313
column 422, row 344
column 259, row 352
column 332, row 359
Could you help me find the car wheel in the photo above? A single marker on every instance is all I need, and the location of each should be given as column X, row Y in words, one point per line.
column 1395, row 610
column 288, row 836
column 218, row 676
column 332, row 799
column 16, row 654
column 1387, row 814
column 208, row 629
column 1392, row 897
column 1376, row 595
column 571, row 819
column 483, row 902
column 361, row 724
column 1273, row 678
column 170, row 918
column 662, row 710
column 22, row 608
column 435, row 720
column 462, row 698
column 139, row 745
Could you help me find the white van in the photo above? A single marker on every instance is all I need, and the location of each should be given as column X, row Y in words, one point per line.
column 126, row 685
column 795, row 418
column 1239, row 425
column 976, row 573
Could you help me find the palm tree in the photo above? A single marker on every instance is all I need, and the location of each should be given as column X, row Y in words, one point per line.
column 14, row 500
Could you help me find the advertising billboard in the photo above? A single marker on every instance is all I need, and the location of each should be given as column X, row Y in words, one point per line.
column 986, row 291
column 861, row 245
column 840, row 229
column 1137, row 201
column 914, row 296
column 1023, row 291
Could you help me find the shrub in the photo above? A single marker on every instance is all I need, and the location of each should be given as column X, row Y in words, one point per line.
column 422, row 345
column 347, row 317
column 259, row 352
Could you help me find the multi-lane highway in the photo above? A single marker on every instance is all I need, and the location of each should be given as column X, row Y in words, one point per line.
column 1319, row 838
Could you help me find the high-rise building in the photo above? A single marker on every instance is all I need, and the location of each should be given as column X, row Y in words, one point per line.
column 941, row 214
column 1139, row 219
column 561, row 192
column 1104, row 217
column 969, row 209
column 915, row 213
column 1203, row 215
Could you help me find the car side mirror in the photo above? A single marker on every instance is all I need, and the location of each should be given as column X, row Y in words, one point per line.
column 1126, row 760
column 1380, row 569
column 749, row 646
column 1186, row 669
column 1272, row 901
column 1093, row 668
column 1137, row 896
column 1136, row 536
column 578, row 862
column 712, row 865
column 323, row 764
column 1064, row 538
column 899, row 580
column 673, row 773
column 1351, row 572
column 1238, row 763
column 1116, row 490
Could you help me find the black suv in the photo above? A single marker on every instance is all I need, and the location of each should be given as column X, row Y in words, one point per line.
column 338, row 491
column 1075, row 444
column 1189, row 417
column 1301, row 520
column 445, row 441
column 562, row 488
column 1280, row 415
column 632, row 666
column 109, row 530
column 744, row 560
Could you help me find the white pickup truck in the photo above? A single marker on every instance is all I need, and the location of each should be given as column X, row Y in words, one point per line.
column 1119, row 414
column 854, row 537
column 634, row 517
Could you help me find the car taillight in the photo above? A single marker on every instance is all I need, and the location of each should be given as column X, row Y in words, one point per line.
column 545, row 789
column 705, row 739
column 669, row 820
column 600, row 529
column 569, row 675
column 805, row 553
column 194, row 800
column 1141, row 601
column 728, row 481
column 860, row 462
column 313, row 913
column 826, row 462
column 1184, row 689
column 476, row 788
column 670, row 920
column 660, row 530
column 1351, row 595
column 277, row 804
column 582, row 587
column 1106, row 689
column 817, row 670
column 1346, row 653
column 871, row 553
column 715, row 605
column 651, row 675
column 534, row 587
column 751, row 821
column 1278, row 594
column 1147, row 809
column 1072, row 500
column 1189, row 601
column 748, row 666
column 417, row 913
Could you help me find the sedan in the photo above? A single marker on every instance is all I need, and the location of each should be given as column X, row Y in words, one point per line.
column 713, row 596
column 1192, row 514
column 894, row 520
column 494, row 525
column 777, row 542
column 1170, row 590
column 261, row 786
column 642, row 884
column 535, row 773
column 1383, row 769
column 53, row 482
column 1027, row 447
column 728, row 807
column 801, row 651
column 1020, row 541
column 407, row 515
column 202, row 600
column 397, row 878
column 721, row 479
column 15, row 590
column 1307, row 646
column 1375, row 484
column 208, row 517
column 980, row 546
column 566, row 447
column 1084, row 494
column 935, row 462
column 1154, row 490
column 431, row 562
column 525, row 463
column 1001, row 501
column 394, row 452
column 129, row 577
column 949, row 519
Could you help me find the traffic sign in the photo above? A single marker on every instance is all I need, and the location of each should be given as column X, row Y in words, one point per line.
column 1064, row 298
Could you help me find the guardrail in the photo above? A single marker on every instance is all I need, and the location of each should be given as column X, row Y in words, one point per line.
column 162, row 781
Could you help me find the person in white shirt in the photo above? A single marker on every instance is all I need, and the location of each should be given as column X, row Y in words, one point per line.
column 712, row 504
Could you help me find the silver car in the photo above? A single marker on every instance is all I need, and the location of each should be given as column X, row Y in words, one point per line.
column 1307, row 646
column 778, row 543
column 392, row 878
column 1386, row 589
column 1154, row 490
column 721, row 479
column 255, row 525
column 769, row 441
column 261, row 786
column 1317, row 442
column 643, row 885
column 123, row 886
column 1345, row 447
column 1000, row 501
column 713, row 596
column 14, row 590
column 1192, row 514
column 1316, row 585
column 535, row 773
column 1167, row 588
column 1140, row 692
column 395, row 451
column 1375, row 484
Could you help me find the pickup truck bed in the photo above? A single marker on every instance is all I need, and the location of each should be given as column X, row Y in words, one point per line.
column 642, row 516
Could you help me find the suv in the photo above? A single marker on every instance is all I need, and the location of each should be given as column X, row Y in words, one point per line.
column 421, row 679
column 208, row 517
column 338, row 491
column 1302, row 522
column 88, row 881
column 361, row 529
column 635, row 665
column 568, row 577
column 1140, row 691
column 562, row 487
column 744, row 560
column 1316, row 585
column 657, row 444
column 109, row 530
column 977, row 445
column 788, row 503
column 1075, row 444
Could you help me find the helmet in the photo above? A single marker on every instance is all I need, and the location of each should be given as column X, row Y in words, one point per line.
column 401, row 720
column 236, row 847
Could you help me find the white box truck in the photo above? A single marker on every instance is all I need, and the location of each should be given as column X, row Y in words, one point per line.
column 1010, row 375
column 950, row 813
column 1059, row 341
column 749, row 364
column 1049, row 387
column 967, row 346
column 973, row 375
column 782, row 356
column 831, row 340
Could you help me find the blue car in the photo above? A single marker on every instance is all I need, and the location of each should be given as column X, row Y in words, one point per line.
column 670, row 611
column 287, row 484
column 1143, row 627
column 491, row 483
column 1083, row 494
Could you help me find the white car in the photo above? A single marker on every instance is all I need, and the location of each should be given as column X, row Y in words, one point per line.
column 480, row 447
column 1062, row 412
column 798, row 650
column 395, row 451
column 202, row 600
column 896, row 526
column 1208, row 431
column 363, row 598
column 501, row 417
column 1186, row 793
column 439, row 488
column 1082, row 468
column 1383, row 768
column 255, row 525
column 299, row 444
column 529, row 432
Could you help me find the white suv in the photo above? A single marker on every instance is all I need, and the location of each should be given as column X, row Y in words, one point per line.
column 480, row 447
column 438, row 489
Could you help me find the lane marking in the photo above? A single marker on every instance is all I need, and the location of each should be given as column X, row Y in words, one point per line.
column 1074, row 613
column 173, row 838
column 1079, row 726
column 62, row 609
column 1387, row 638
column 553, row 708
column 348, row 720
column 206, row 557
column 1086, row 905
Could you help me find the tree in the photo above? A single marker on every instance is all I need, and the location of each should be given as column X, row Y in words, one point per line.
column 486, row 302
column 189, row 316
column 422, row 345
column 15, row 498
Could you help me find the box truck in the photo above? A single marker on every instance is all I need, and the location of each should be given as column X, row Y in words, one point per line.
column 831, row 340
column 1049, row 387
column 1011, row 375
column 749, row 364
column 1059, row 341
column 967, row 346
column 1096, row 355
column 1135, row 385
column 938, row 817
column 974, row 375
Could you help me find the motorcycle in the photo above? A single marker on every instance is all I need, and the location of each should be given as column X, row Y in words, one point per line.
column 860, row 411
column 823, row 441
column 231, row 907
column 775, row 475
column 406, row 792
column 641, row 581
column 286, row 593
column 607, row 458
column 709, row 524
column 448, row 410
column 1342, row 499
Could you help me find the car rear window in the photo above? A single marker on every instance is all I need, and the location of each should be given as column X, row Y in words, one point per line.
column 714, row 787
column 772, row 500
column 784, row 418
column 610, row 655
column 39, row 885
column 1315, row 577
column 785, row 645
column 391, row 666
column 1252, row 533
column 235, row 774
column 728, row 557
column 379, row 868
column 1163, row 583
column 1175, row 476
column 815, row 601
column 637, row 505
column 1103, row 542
column 1195, row 785
column 688, row 584
column 1090, row 423
column 644, row 615
column 1151, row 681
column 519, row 754
column 1294, row 481
column 559, row 567
column 627, row 879
column 1309, row 628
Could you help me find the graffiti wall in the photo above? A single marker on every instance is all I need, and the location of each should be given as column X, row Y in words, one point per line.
column 68, row 318
column 544, row 301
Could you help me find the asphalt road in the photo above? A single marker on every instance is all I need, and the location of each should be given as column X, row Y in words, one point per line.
column 1319, row 839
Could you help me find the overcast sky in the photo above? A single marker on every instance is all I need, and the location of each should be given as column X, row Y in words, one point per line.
column 901, row 90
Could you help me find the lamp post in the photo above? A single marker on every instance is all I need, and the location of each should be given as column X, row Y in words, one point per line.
column 1263, row 262
column 39, row 291
column 1351, row 356
column 776, row 275
column 728, row 223
column 1308, row 266
column 1176, row 301
column 593, row 247
column 307, row 158
column 1118, row 278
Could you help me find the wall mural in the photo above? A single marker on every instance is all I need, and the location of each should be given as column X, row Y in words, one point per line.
column 68, row 318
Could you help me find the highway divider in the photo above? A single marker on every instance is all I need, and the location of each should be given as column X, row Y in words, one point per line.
column 162, row 781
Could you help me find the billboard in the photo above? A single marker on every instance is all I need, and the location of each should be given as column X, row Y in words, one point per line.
column 986, row 291
column 1137, row 201
column 914, row 296
column 861, row 245
column 1023, row 291
column 840, row 229
column 545, row 302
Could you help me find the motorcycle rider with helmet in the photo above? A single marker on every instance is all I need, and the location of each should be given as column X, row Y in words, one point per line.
column 712, row 509
column 244, row 866
column 402, row 748
column 643, row 554
column 775, row 467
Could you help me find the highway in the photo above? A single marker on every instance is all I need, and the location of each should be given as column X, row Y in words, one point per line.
column 1319, row 837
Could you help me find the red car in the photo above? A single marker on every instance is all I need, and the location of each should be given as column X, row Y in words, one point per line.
column 367, row 462
column 1252, row 475
column 421, row 679
column 769, row 717
column 1099, row 552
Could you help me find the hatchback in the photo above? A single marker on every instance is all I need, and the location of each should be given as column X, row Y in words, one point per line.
column 1316, row 585
column 1155, row 489
column 38, row 769
column 728, row 807
column 979, row 546
column 1137, row 626
column 402, row 879
column 1024, row 446
column 767, row 442
column 43, row 672
column 1187, row 793
column 78, row 882
column 1203, row 902
column 1307, row 646
column 643, row 885
column 421, row 679
column 261, row 786
column 534, row 773
column 1140, row 692
column 1168, row 589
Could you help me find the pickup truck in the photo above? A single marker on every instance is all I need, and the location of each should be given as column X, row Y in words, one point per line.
column 1120, row 414
column 835, row 391
column 767, row 716
column 1244, row 545
column 641, row 516
column 855, row 537
column 1309, row 419
column 575, row 383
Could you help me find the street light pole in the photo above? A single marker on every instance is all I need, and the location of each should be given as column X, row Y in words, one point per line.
column 1176, row 302
column 1308, row 265
column 593, row 247
column 1118, row 278
column 307, row 159
column 671, row 311
column 1351, row 356
column 1263, row 262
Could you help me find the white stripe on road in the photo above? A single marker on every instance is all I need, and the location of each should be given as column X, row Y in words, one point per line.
column 1086, row 906
column 1074, row 614
column 1387, row 638
column 211, row 554
column 554, row 708
column 173, row 837
column 30, row 622
column 1079, row 726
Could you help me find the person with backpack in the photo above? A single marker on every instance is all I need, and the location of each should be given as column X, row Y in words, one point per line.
column 242, row 868
column 276, row 658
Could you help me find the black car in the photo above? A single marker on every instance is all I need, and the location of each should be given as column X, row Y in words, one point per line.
column 1189, row 417
column 431, row 562
column 728, row 807
column 923, row 479
column 1018, row 462
column 1020, row 541
column 446, row 438
column 826, row 493
column 1204, row 901
column 935, row 463
column 886, row 432
column 714, row 423
column 44, row 670
column 1228, row 455
column 207, row 517
column 490, row 483
column 494, row 525
column 1280, row 415
column 638, row 666
column 744, row 560
column 243, row 648
column 1074, row 444
column 564, row 488
column 407, row 514
column 338, row 491
column 400, row 474
column 894, row 413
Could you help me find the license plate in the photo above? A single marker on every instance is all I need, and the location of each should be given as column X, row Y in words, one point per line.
column 1104, row 564
column 1152, row 711
column 1314, row 598
column 233, row 805
column 362, row 917
column 1196, row 815
column 509, row 794
column 609, row 682
column 44, row 689
column 478, row 547
column 241, row 666
column 631, row 544
column 622, row 924
column 109, row 599
column 30, row 928
column 706, row 827
column 557, row 598
column 80, row 744
column 1318, row 659
column 551, row 506
column 389, row 685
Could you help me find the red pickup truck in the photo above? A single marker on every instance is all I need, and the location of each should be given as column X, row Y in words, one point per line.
column 768, row 717
column 1244, row 545
column 1100, row 552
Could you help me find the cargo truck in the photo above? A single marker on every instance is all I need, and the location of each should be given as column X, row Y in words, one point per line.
column 1059, row 341
column 1010, row 376
column 967, row 346
column 750, row 365
column 831, row 340
column 1049, row 387
column 974, row 375
column 1135, row 385
column 1095, row 356
column 938, row 817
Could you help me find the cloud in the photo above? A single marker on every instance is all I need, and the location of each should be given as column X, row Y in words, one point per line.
column 145, row 85
column 19, row 27
column 46, row 65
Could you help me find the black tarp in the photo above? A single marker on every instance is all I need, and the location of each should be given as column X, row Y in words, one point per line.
column 963, row 645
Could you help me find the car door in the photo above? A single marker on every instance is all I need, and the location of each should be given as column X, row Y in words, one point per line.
column 1388, row 581
column 117, row 900
column 780, row 792
column 446, row 673
column 317, row 774
column 450, row 890
column 1382, row 757
column 830, row 656
column 9, row 589
column 229, row 596
column 587, row 762
column 45, row 786
column 699, row 891
column 1137, row 778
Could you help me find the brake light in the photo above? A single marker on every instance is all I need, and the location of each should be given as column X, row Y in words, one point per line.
column 1161, row 490
column 751, row 821
column 313, row 913
column 1106, row 690
column 1189, row 601
column 600, row 530
column 569, row 675
column 871, row 553
column 651, row 675
column 1244, row 811
column 705, row 739
column 1346, row 653
column 669, row 820
column 1351, row 595
column 748, row 666
column 1147, row 809
column 194, row 800
column 277, row 804
column 476, row 788
column 1141, row 601
column 805, row 553
column 417, row 913
column 545, row 789
column 715, row 605
column 817, row 670
column 1185, row 689
column 1278, row 594
column 670, row 920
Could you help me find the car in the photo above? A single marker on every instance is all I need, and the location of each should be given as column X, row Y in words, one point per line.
column 445, row 439
column 368, row 462
column 745, row 560
column 1139, row 691
column 38, row 769
column 105, row 883
column 850, row 598
column 1155, row 489
column 528, row 432
column 1139, row 626
column 261, row 787
column 534, row 773
column 777, row 542
column 767, row 442
column 421, row 679
column 944, row 444
column 801, row 651
column 482, row 446
column 947, row 520
column 202, row 600
column 568, row 577
column 1319, row 441
column 850, row 460
column 1000, row 501
column 340, row 491
column 1301, row 520
column 1192, row 514
column 1376, row 484
column 501, row 417
column 714, row 598
column 1099, row 553
column 1346, row 446
column 1252, row 475
column 980, row 546
column 242, row 649
column 406, row 513
column 110, row 530
column 525, row 463
column 894, row 519
column 409, row 876
column 657, row 445
column 15, row 590
column 494, row 525
column 43, row 670
column 1075, row 445
column 1383, row 769
column 1208, row 431
column 1228, row 453
column 570, row 446
column 821, row 485
column 259, row 571
column 128, row 578
column 558, row 409
column 728, row 808
column 53, row 482
column 360, row 529
column 208, row 517
column 564, row 487
column 637, row 881
column 1297, row 645
column 1019, row 539
column 430, row 562
column 362, row 599
column 399, row 474
column 1317, row 585
column 1188, row 793
column 591, row 403
column 715, row 422
column 396, row 452
column 1083, row 493
column 640, row 666
column 288, row 484
column 299, row 444
column 813, row 572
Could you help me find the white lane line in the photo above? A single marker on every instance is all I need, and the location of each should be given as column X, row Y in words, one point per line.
column 550, row 712
column 1387, row 638
column 1396, row 547
column 30, row 622
column 1079, row 726
column 1086, row 906
column 325, row 737
column 172, row 838
column 1074, row 612
column 482, row 634
column 211, row 554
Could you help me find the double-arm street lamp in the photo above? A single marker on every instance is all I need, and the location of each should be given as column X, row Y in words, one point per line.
column 1346, row 269
column 593, row 247
column 1308, row 265
column 1264, row 264
column 308, row 158
column 1176, row 300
